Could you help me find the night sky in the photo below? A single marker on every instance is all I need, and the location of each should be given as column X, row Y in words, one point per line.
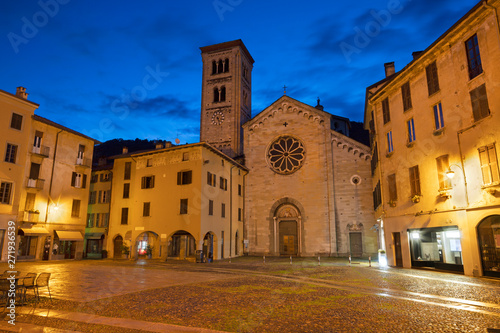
column 132, row 69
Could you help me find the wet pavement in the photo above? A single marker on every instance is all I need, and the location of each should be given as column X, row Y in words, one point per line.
column 402, row 300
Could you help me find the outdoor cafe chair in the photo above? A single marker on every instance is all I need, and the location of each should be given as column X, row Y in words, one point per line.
column 4, row 290
column 28, row 283
column 42, row 281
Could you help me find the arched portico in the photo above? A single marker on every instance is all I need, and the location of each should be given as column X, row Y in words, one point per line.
column 145, row 242
column 181, row 245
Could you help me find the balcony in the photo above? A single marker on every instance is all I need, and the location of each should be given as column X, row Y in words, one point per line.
column 84, row 162
column 31, row 216
column 35, row 183
column 43, row 151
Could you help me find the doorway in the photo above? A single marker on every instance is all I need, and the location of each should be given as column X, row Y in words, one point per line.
column 396, row 238
column 288, row 238
column 355, row 244
column 117, row 247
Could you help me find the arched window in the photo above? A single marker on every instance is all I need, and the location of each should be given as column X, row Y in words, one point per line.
column 221, row 66
column 222, row 94
column 214, row 67
column 216, row 94
column 245, row 98
column 226, row 66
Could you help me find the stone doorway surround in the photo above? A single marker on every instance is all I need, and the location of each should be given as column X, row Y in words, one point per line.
column 286, row 213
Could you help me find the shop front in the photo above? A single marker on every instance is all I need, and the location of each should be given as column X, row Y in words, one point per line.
column 438, row 248
column 488, row 231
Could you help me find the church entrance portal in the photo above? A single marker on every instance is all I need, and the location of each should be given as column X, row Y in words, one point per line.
column 287, row 231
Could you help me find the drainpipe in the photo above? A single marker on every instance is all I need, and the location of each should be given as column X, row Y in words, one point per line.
column 231, row 210
column 243, row 190
column 462, row 160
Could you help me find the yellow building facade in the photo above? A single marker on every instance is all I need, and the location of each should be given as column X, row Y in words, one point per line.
column 49, row 192
column 434, row 131
column 174, row 201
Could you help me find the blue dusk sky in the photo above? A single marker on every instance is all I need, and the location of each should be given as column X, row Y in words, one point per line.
column 132, row 69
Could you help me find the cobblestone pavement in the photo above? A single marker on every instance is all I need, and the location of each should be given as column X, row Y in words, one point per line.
column 248, row 295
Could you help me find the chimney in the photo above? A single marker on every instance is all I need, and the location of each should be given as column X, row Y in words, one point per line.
column 21, row 92
column 124, row 150
column 159, row 145
column 168, row 144
column 416, row 54
column 389, row 69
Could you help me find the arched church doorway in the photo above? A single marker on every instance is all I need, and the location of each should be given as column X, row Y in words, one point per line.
column 488, row 231
column 117, row 246
column 287, row 230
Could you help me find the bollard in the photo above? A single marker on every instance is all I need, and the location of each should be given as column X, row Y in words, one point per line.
column 369, row 261
column 349, row 260
column 264, row 259
column 319, row 260
column 290, row 260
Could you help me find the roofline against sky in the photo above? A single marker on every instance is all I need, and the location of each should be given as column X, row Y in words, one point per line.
column 227, row 45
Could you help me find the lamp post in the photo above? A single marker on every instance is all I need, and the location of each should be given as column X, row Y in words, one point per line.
column 450, row 174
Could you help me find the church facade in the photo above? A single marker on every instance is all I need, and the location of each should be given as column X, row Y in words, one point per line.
column 308, row 190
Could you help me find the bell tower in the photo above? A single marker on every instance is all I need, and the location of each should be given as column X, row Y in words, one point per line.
column 226, row 95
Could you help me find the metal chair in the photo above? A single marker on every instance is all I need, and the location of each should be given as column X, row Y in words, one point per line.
column 28, row 283
column 42, row 281
column 4, row 290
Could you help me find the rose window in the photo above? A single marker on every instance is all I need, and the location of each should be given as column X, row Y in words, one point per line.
column 286, row 155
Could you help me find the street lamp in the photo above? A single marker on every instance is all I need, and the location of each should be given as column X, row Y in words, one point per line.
column 450, row 173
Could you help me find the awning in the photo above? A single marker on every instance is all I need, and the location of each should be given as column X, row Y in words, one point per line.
column 34, row 231
column 69, row 235
column 94, row 235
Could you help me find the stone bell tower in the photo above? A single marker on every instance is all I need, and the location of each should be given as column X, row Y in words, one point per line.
column 226, row 95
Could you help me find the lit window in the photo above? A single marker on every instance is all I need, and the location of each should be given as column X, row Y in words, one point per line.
column 489, row 164
column 442, row 167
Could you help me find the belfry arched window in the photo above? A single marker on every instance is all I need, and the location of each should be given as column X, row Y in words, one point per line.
column 222, row 94
column 216, row 95
column 226, row 65
column 214, row 67
column 221, row 66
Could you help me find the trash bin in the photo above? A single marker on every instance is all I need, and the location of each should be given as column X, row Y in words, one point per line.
column 199, row 256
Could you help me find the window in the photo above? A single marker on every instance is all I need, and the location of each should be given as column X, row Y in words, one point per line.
column 5, row 191
column 104, row 196
column 11, row 153
column 90, row 220
column 390, row 147
column 16, row 121
column 92, row 197
column 220, row 68
column 124, row 219
column 94, row 178
column 128, row 169
column 479, row 100
column 81, row 154
column 211, row 179
column 286, row 155
column 78, row 180
column 377, row 196
column 473, row 57
column 393, row 190
column 385, row 111
column 223, row 94
column 185, row 156
column 223, row 183
column 240, row 190
column 432, row 78
column 126, row 190
column 104, row 220
column 184, row 206
column 148, row 182
column 223, row 210
column 97, row 219
column 146, row 209
column 30, row 202
column 105, row 177
column 184, row 177
column 239, row 214
column 414, row 181
column 226, row 65
column 75, row 209
column 210, row 207
column 374, row 161
column 216, row 95
column 37, row 143
column 442, row 166
column 214, row 67
column 411, row 130
column 438, row 116
column 489, row 164
column 405, row 91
